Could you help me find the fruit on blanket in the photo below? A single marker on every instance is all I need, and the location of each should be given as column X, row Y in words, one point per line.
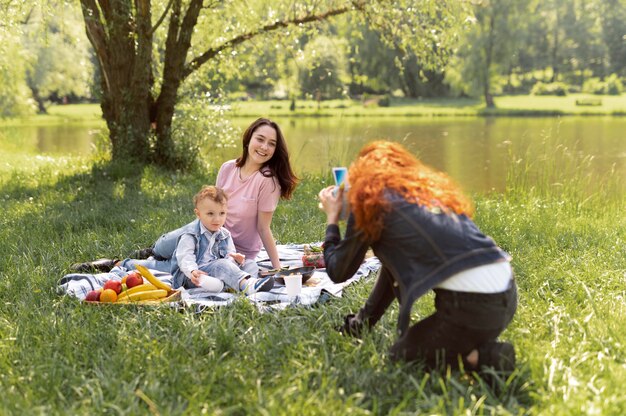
column 93, row 296
column 314, row 260
column 141, row 288
column 108, row 295
column 152, row 279
column 133, row 279
column 144, row 295
column 114, row 285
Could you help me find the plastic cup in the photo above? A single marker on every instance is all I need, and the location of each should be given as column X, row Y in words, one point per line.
column 293, row 283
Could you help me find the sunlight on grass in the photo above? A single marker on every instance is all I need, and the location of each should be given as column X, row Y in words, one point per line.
column 565, row 229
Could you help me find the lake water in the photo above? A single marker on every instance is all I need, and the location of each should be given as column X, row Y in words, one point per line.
column 477, row 152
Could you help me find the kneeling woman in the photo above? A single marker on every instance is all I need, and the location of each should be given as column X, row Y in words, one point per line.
column 418, row 223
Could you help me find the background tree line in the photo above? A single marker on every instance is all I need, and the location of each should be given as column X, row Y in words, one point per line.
column 142, row 60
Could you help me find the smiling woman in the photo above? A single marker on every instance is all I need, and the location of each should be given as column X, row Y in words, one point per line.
column 254, row 183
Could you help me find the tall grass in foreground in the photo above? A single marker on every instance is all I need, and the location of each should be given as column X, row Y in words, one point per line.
column 60, row 357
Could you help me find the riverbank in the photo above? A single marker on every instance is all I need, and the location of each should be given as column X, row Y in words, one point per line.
column 61, row 357
column 440, row 107
column 520, row 105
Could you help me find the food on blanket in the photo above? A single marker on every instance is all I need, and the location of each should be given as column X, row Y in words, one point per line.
column 108, row 295
column 133, row 279
column 144, row 295
column 309, row 249
column 93, row 296
column 314, row 260
column 114, row 285
column 141, row 288
column 152, row 279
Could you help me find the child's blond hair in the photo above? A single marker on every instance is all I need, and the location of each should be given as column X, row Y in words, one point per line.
column 214, row 193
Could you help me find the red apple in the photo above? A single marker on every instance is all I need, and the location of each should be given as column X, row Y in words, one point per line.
column 116, row 285
column 93, row 296
column 134, row 279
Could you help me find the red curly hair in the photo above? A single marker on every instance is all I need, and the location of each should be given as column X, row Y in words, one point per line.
column 384, row 165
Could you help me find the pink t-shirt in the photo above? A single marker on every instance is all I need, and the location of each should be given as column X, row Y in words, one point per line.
column 246, row 198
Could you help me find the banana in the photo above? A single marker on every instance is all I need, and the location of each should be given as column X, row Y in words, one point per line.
column 136, row 289
column 152, row 279
column 145, row 295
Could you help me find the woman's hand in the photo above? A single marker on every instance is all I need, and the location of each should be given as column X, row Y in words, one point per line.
column 331, row 203
column 195, row 277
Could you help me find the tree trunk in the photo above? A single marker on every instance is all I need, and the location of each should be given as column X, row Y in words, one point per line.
column 123, row 47
column 41, row 105
column 488, row 61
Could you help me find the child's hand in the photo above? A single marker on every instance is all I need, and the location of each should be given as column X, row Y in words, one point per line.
column 238, row 257
column 195, row 276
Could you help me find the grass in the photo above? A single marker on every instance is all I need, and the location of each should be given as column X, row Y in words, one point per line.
column 565, row 229
column 518, row 105
column 71, row 113
column 522, row 105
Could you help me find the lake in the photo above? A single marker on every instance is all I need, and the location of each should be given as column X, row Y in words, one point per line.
column 477, row 152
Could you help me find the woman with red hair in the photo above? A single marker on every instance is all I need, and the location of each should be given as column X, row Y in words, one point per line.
column 418, row 223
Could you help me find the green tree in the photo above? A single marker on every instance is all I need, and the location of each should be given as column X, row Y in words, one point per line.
column 58, row 55
column 323, row 68
column 14, row 94
column 613, row 17
column 146, row 50
column 487, row 49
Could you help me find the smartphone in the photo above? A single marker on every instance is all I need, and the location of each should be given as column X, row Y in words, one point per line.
column 341, row 177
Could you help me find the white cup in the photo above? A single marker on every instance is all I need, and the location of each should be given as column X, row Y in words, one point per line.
column 210, row 283
column 293, row 283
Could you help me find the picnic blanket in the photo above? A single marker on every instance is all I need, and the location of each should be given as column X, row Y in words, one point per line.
column 317, row 289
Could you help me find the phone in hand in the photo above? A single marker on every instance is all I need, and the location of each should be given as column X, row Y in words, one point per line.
column 341, row 175
column 341, row 182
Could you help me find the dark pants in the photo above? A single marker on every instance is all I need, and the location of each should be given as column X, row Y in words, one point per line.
column 463, row 321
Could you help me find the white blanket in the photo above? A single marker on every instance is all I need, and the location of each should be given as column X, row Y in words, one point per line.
column 317, row 289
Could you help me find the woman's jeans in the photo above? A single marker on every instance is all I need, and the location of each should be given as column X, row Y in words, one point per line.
column 463, row 321
column 160, row 265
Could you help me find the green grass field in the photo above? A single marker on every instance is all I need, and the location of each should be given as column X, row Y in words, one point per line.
column 521, row 105
column 565, row 230
column 506, row 105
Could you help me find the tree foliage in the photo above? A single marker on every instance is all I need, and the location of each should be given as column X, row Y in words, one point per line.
column 487, row 47
column 323, row 68
column 146, row 51
column 57, row 55
column 14, row 95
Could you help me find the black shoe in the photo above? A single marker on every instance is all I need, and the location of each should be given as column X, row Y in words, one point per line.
column 101, row 265
column 142, row 254
column 498, row 355
column 496, row 362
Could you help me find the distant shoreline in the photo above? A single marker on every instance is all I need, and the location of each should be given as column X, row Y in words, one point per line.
column 506, row 106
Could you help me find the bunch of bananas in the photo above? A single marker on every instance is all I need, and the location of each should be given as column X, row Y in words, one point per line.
column 154, row 290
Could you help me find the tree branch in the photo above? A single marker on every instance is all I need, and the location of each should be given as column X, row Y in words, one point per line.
column 162, row 18
column 210, row 53
column 97, row 35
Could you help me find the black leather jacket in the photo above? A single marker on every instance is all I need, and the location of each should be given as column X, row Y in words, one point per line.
column 419, row 247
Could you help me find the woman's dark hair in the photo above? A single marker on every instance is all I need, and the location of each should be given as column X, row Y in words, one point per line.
column 278, row 165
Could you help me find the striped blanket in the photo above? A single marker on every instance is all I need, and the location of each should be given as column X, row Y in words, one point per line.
column 318, row 288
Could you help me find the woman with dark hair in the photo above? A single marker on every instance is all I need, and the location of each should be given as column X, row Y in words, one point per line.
column 254, row 183
column 418, row 223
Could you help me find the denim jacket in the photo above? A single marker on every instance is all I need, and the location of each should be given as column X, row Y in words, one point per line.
column 418, row 246
column 219, row 249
